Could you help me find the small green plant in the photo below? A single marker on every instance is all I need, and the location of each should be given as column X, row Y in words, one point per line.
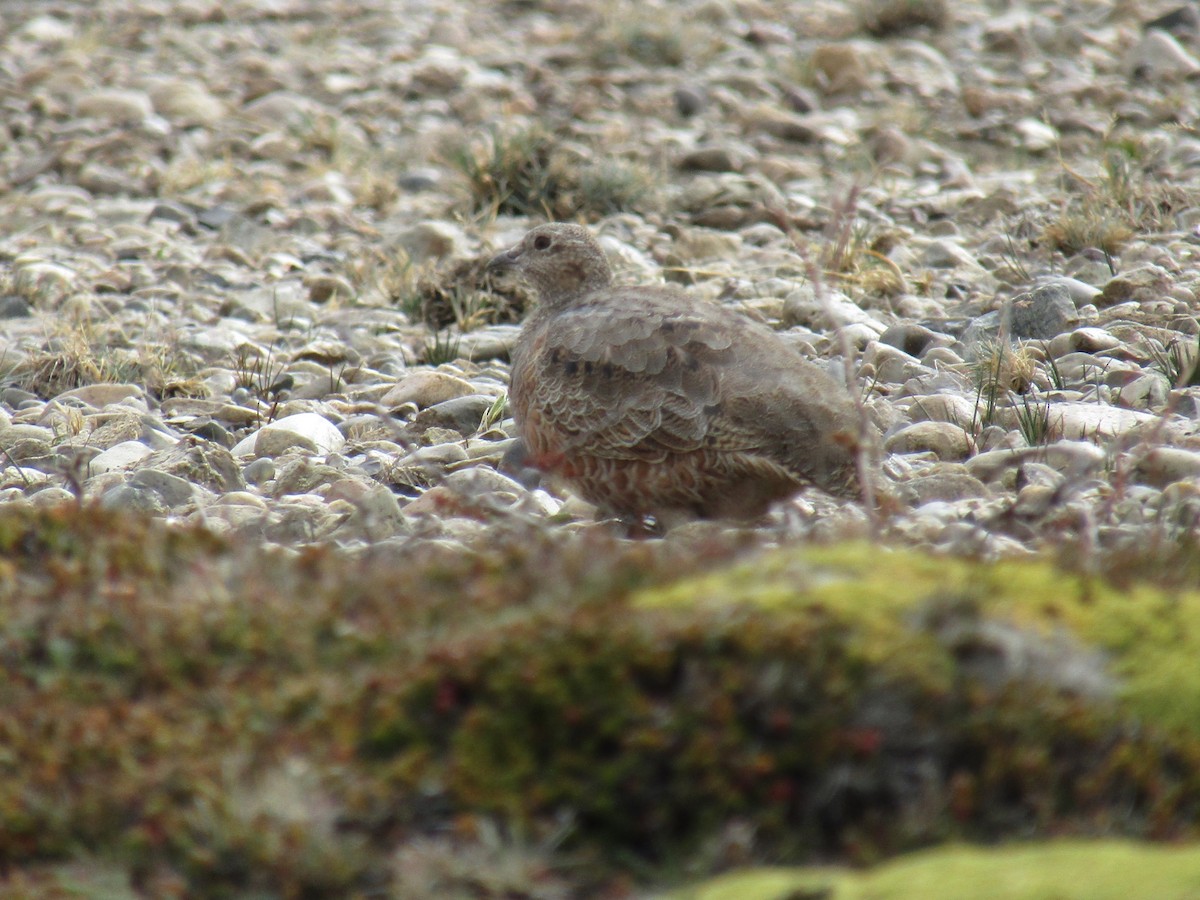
column 1052, row 370
column 614, row 185
column 1015, row 269
column 494, row 413
column 1033, row 419
column 261, row 373
column 440, row 347
column 1177, row 362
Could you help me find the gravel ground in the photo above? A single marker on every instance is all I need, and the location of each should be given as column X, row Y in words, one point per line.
column 241, row 264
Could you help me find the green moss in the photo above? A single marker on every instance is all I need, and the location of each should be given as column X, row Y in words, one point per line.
column 1104, row 870
column 1151, row 635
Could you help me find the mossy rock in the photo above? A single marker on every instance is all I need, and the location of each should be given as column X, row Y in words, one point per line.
column 1068, row 870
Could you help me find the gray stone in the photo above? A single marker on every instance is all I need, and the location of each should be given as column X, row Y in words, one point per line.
column 262, row 469
column 132, row 498
column 174, row 490
column 201, row 463
column 462, row 414
column 1040, row 314
column 912, row 338
column 944, row 486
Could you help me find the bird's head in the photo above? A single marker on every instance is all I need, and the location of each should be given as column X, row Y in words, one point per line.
column 562, row 262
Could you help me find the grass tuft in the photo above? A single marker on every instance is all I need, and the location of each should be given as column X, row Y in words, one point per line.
column 1177, row 362
column 883, row 18
column 530, row 172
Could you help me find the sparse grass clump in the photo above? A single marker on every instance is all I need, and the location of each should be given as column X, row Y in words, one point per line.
column 643, row 37
column 1178, row 362
column 530, row 172
column 1088, row 226
column 651, row 34
column 81, row 355
column 441, row 347
column 1115, row 206
column 463, row 294
column 998, row 371
column 261, row 371
column 1033, row 420
column 882, row 18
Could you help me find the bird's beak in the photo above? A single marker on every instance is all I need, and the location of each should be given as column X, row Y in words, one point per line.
column 503, row 260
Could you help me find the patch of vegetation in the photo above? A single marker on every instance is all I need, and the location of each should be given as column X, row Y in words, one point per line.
column 80, row 354
column 441, row 347
column 530, row 172
column 849, row 250
column 1110, row 209
column 1177, row 362
column 465, row 295
column 262, row 373
column 1087, row 226
column 651, row 35
column 998, row 371
column 1064, row 870
column 547, row 715
column 1033, row 420
column 883, row 18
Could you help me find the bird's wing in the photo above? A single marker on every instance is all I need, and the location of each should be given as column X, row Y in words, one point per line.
column 639, row 375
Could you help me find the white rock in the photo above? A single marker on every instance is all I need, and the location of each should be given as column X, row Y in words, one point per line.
column 114, row 104
column 1160, row 56
column 1072, row 459
column 1086, row 340
column 892, row 365
column 831, row 310
column 99, row 396
column 946, row 253
column 316, row 428
column 119, row 456
column 48, row 30
column 1167, row 465
column 1035, row 135
column 1077, row 421
column 186, row 102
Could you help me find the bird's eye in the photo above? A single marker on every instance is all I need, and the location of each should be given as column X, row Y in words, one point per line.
column 541, row 242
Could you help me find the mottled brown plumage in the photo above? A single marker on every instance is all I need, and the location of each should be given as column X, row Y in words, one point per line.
column 651, row 403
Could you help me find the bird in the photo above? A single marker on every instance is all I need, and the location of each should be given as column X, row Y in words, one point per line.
column 654, row 405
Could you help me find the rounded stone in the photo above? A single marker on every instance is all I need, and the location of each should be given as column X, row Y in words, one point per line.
column 943, row 439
